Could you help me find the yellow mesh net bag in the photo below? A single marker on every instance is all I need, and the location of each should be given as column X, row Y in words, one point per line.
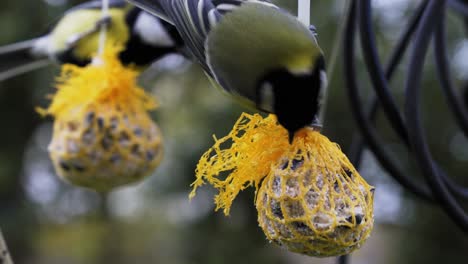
column 103, row 136
column 310, row 199
column 313, row 201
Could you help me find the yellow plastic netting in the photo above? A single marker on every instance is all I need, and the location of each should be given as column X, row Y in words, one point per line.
column 245, row 154
column 313, row 201
column 103, row 135
column 310, row 198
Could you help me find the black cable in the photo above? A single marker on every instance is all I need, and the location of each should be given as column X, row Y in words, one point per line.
column 453, row 98
column 364, row 125
column 380, row 83
column 455, row 104
column 357, row 145
column 343, row 259
column 412, row 110
column 378, row 78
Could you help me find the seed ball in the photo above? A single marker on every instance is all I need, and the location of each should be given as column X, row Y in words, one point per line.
column 105, row 148
column 309, row 208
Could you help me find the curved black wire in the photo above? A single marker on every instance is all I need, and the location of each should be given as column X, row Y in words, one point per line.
column 368, row 131
column 442, row 66
column 461, row 115
column 343, row 259
column 453, row 98
column 378, row 78
column 416, row 134
column 380, row 85
column 357, row 145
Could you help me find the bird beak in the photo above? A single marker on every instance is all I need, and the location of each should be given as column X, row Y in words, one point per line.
column 291, row 136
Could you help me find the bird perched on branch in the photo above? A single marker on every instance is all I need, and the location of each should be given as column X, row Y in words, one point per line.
column 75, row 39
column 255, row 51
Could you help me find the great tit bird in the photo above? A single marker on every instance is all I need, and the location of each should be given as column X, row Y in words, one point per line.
column 75, row 37
column 255, row 51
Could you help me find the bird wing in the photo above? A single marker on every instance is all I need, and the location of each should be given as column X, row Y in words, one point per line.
column 192, row 18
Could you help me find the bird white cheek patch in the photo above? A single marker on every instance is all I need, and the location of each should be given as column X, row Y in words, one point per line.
column 152, row 31
column 323, row 79
column 267, row 97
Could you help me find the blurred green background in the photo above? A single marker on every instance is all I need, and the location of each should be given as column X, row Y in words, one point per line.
column 45, row 220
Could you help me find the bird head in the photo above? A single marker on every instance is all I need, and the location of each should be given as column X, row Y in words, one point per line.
column 267, row 56
column 293, row 93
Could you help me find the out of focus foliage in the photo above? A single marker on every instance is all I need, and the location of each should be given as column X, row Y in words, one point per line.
column 47, row 221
